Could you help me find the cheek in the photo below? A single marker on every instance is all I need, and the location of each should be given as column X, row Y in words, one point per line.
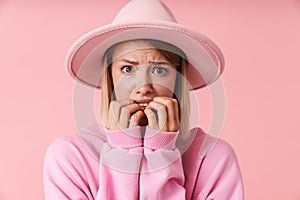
column 165, row 88
column 163, row 91
column 122, row 88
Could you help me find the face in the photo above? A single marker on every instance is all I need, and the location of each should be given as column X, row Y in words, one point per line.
column 140, row 72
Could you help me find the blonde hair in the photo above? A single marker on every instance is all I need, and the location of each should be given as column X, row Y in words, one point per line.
column 181, row 90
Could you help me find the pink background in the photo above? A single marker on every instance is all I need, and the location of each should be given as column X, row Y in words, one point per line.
column 260, row 41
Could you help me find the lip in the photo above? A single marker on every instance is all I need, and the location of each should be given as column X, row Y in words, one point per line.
column 141, row 101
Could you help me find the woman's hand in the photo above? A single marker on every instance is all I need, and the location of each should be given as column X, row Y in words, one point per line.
column 123, row 114
column 162, row 114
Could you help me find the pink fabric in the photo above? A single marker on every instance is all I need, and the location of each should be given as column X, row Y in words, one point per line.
column 104, row 164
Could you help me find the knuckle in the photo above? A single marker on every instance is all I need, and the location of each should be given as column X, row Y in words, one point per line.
column 133, row 118
column 169, row 102
column 175, row 102
column 125, row 111
column 160, row 107
column 150, row 114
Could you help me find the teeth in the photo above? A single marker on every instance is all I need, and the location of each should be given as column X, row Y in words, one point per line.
column 143, row 105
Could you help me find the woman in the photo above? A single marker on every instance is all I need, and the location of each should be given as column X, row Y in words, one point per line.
column 144, row 148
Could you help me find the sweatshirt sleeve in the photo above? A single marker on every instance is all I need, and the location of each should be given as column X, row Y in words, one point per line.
column 120, row 162
column 65, row 170
column 161, row 166
column 219, row 177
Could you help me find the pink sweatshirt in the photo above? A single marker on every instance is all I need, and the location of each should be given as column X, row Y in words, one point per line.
column 103, row 165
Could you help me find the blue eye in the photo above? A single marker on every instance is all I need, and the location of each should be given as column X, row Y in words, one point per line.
column 127, row 69
column 160, row 70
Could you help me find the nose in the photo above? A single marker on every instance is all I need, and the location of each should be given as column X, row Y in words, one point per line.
column 143, row 83
column 144, row 89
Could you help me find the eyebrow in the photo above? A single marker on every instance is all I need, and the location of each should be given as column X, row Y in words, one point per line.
column 129, row 61
column 136, row 63
column 160, row 63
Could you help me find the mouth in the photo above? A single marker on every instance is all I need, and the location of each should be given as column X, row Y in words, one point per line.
column 143, row 105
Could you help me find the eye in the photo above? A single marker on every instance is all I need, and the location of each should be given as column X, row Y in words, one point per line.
column 160, row 70
column 127, row 69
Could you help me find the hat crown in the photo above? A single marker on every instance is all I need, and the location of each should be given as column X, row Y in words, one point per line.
column 144, row 11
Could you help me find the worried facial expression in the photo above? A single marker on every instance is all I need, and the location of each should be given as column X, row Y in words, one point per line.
column 140, row 72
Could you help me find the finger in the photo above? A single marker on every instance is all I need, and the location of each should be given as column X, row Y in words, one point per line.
column 171, row 104
column 114, row 112
column 135, row 119
column 161, row 112
column 115, row 107
column 152, row 121
column 125, row 114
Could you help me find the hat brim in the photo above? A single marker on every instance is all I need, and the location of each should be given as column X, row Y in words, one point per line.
column 206, row 61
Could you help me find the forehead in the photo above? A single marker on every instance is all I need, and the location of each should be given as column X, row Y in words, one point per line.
column 134, row 48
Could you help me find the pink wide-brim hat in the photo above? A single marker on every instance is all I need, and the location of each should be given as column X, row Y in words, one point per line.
column 145, row 19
